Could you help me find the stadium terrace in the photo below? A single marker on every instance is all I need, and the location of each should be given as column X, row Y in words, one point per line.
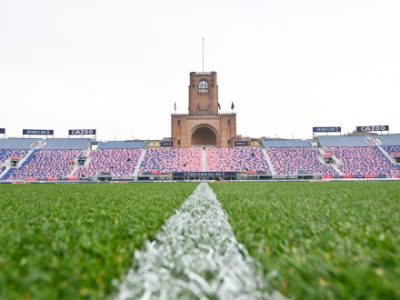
column 203, row 145
column 82, row 160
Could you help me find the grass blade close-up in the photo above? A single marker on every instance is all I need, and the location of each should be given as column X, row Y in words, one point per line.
column 320, row 240
column 73, row 241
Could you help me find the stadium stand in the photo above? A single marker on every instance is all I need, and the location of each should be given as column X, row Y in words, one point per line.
column 170, row 160
column 294, row 157
column 362, row 156
column 389, row 143
column 51, row 158
column 236, row 160
column 302, row 160
column 117, row 162
column 6, row 154
column 392, row 150
column 351, row 156
column 368, row 161
column 44, row 164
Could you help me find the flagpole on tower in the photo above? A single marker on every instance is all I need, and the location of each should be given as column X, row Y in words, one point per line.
column 203, row 54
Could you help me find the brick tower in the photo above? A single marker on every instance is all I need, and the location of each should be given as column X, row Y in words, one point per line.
column 203, row 125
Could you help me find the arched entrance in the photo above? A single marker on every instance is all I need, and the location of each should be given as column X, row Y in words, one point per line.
column 204, row 135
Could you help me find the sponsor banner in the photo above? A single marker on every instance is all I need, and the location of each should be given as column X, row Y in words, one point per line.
column 327, row 129
column 241, row 143
column 2, row 131
column 38, row 131
column 82, row 132
column 166, row 144
column 372, row 128
column 202, row 174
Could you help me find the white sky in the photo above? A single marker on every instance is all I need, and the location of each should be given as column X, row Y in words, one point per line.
column 118, row 66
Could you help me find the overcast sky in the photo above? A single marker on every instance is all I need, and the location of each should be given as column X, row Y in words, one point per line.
column 119, row 66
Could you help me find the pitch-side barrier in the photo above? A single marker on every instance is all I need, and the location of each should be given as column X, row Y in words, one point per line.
column 200, row 176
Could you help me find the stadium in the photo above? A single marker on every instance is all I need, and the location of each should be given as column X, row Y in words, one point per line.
column 358, row 156
column 203, row 147
column 205, row 212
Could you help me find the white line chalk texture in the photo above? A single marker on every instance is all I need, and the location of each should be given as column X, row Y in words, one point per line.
column 195, row 256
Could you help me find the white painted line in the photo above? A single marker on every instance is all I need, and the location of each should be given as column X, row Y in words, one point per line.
column 195, row 256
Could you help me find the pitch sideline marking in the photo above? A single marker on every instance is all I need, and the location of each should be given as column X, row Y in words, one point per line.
column 196, row 255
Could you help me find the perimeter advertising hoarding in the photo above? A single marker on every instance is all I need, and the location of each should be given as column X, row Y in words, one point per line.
column 37, row 131
column 372, row 128
column 202, row 174
column 82, row 132
column 166, row 144
column 327, row 129
column 241, row 143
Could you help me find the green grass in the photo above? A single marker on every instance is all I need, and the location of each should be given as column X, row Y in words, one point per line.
column 72, row 241
column 326, row 240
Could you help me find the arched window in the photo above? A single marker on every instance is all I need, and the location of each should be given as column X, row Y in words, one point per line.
column 203, row 87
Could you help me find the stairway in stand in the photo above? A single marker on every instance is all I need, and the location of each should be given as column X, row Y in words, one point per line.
column 204, row 162
column 269, row 162
column 139, row 163
column 334, row 165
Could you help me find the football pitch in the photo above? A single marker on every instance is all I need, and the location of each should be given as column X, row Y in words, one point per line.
column 328, row 240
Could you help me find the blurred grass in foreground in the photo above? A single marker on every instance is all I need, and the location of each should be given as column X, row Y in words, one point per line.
column 326, row 240
column 72, row 241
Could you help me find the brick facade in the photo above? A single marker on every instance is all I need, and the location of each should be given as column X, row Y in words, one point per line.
column 203, row 125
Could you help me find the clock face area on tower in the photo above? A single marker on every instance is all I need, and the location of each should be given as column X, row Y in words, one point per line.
column 203, row 125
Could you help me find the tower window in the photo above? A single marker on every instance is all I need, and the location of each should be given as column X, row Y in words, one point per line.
column 203, row 87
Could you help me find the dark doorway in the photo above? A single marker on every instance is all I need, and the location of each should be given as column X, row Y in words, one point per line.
column 204, row 136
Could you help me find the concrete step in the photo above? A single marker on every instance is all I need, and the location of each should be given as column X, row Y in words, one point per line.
column 204, row 162
column 269, row 162
column 139, row 163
